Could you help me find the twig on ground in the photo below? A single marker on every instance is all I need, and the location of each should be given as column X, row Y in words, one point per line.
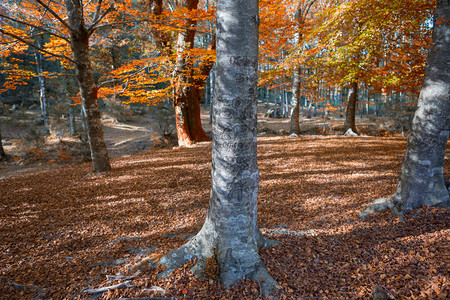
column 125, row 284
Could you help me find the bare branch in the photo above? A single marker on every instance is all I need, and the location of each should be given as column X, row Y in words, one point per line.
column 99, row 19
column 308, row 8
column 54, row 14
column 34, row 46
column 97, row 11
column 110, row 25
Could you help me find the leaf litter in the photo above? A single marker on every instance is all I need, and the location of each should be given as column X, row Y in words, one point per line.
column 67, row 231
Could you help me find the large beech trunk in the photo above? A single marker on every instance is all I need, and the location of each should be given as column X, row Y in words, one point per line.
column 88, row 89
column 350, row 112
column 422, row 177
column 421, row 181
column 230, row 234
column 187, row 94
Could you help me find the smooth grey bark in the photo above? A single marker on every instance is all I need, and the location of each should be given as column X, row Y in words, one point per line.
column 295, row 114
column 230, row 231
column 421, row 181
column 422, row 177
column 211, row 93
column 79, row 37
column 42, row 93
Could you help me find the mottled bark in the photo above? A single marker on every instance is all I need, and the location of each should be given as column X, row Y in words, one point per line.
column 422, row 177
column 80, row 49
column 230, row 233
column 350, row 112
column 421, row 181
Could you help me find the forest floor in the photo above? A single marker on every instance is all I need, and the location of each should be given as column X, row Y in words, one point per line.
column 65, row 229
column 31, row 150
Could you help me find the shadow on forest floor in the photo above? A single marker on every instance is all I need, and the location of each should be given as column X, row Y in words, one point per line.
column 63, row 230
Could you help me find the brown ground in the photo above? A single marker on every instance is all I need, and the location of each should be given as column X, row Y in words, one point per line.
column 63, row 230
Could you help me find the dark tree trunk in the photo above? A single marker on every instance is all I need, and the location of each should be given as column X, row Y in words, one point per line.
column 350, row 112
column 3, row 155
column 421, row 181
column 88, row 89
column 230, row 232
column 422, row 177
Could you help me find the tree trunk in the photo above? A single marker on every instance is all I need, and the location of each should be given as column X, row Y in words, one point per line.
column 211, row 85
column 422, row 177
column 187, row 92
column 421, row 181
column 3, row 155
column 230, row 234
column 88, row 89
column 42, row 92
column 350, row 112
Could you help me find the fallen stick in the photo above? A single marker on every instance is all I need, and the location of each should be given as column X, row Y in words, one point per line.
column 125, row 284
column 122, row 277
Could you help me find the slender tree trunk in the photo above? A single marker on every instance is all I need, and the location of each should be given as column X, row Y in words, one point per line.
column 72, row 125
column 422, row 177
column 211, row 84
column 3, row 155
column 70, row 102
column 230, row 234
column 350, row 112
column 88, row 89
column 42, row 92
column 295, row 114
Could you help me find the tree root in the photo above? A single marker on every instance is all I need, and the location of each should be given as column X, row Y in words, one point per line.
column 203, row 250
column 378, row 206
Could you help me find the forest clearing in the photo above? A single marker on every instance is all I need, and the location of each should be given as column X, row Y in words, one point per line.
column 60, row 239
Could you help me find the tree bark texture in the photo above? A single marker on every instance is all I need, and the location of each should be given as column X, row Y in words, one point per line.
column 422, row 176
column 230, row 233
column 296, row 80
column 350, row 112
column 187, row 94
column 88, row 89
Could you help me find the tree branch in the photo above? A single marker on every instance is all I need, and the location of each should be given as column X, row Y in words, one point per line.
column 97, row 11
column 54, row 14
column 35, row 26
column 99, row 19
column 34, row 46
column 122, row 79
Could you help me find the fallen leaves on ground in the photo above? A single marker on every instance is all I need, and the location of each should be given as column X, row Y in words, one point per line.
column 63, row 230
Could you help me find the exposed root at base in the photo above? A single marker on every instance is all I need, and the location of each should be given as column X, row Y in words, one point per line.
column 198, row 249
column 378, row 206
